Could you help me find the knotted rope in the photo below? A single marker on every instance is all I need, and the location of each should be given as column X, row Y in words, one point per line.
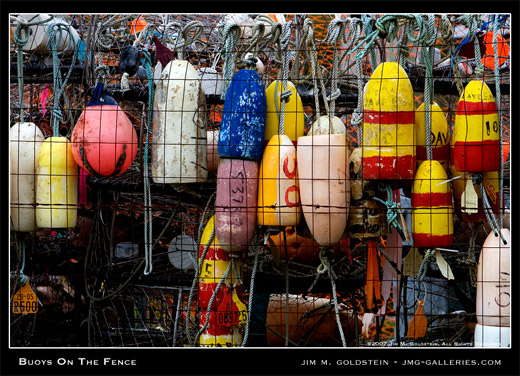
column 335, row 34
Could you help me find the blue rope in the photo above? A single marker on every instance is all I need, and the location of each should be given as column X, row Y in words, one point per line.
column 146, row 61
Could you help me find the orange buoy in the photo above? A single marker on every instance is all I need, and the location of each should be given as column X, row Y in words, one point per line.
column 324, row 186
column 432, row 207
column 493, row 303
column 476, row 137
column 235, row 204
column 137, row 25
column 388, row 145
column 278, row 192
column 104, row 141
column 440, row 136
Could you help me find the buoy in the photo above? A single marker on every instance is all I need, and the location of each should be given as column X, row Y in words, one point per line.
column 235, row 204
column 56, row 184
column 476, row 136
column 213, row 268
column 104, row 141
column 367, row 217
column 179, row 128
column 328, row 125
column 310, row 319
column 212, row 81
column 243, row 117
column 39, row 37
column 299, row 248
column 217, row 335
column 25, row 142
column 278, row 192
column 388, row 147
column 432, row 207
column 137, row 25
column 294, row 121
column 324, row 186
column 440, row 136
column 129, row 60
column 212, row 152
column 493, row 302
column 491, row 184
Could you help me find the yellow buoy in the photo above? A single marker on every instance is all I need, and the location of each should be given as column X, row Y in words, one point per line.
column 278, row 192
column 440, row 136
column 388, row 147
column 432, row 213
column 56, row 184
column 293, row 115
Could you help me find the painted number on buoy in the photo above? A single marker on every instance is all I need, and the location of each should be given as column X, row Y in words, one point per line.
column 25, row 301
column 292, row 188
column 238, row 192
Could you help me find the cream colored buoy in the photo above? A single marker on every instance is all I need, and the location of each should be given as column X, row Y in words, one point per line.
column 432, row 207
column 323, row 178
column 388, row 146
column 57, row 184
column 179, row 128
column 328, row 125
column 278, row 192
column 293, row 115
column 25, row 142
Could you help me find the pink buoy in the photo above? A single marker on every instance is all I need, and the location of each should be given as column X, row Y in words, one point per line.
column 235, row 205
column 104, row 141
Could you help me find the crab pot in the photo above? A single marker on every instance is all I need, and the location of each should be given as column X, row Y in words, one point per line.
column 278, row 192
column 235, row 204
column 388, row 147
column 25, row 140
column 56, row 184
column 476, row 136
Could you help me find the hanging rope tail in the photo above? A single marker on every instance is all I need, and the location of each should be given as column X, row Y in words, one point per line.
column 231, row 34
column 336, row 33
column 286, row 94
column 428, row 55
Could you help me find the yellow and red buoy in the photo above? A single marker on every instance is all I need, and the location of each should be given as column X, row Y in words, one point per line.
column 440, row 136
column 388, row 145
column 432, row 213
column 476, row 136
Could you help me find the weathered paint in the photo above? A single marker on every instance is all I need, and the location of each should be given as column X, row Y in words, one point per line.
column 243, row 117
column 324, row 186
column 213, row 268
column 212, row 152
column 235, row 204
column 328, row 125
column 476, row 136
column 218, row 335
column 179, row 129
column 388, row 147
column 104, row 141
column 56, row 184
column 493, row 306
column 491, row 184
column 440, row 136
column 278, row 192
column 24, row 146
column 294, row 120
column 432, row 208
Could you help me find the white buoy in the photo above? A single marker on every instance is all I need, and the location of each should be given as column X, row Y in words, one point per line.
column 25, row 142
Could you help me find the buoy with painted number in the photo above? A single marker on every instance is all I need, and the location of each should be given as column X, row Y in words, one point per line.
column 476, row 136
column 243, row 117
column 25, row 141
column 235, row 204
column 56, row 184
column 493, row 302
column 432, row 207
column 323, row 178
column 293, row 115
column 179, row 128
column 278, row 192
column 388, row 147
column 104, row 141
column 440, row 136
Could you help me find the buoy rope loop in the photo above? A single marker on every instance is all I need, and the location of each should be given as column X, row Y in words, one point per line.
column 429, row 256
column 230, row 33
column 428, row 41
column 489, row 213
column 285, row 40
column 252, row 49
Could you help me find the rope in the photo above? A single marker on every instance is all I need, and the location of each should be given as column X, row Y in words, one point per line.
column 21, row 276
column 105, row 39
column 357, row 115
column 489, row 212
column 59, row 84
column 392, row 213
column 146, row 61
column 286, row 94
column 251, row 51
column 499, row 107
column 428, row 55
column 423, row 269
column 332, row 277
column 367, row 25
column 231, row 34
column 447, row 34
column 335, row 33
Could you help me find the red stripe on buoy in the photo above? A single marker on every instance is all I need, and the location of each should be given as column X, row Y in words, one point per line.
column 391, row 117
column 476, row 156
column 378, row 167
column 429, row 241
column 431, row 199
column 476, row 108
column 441, row 153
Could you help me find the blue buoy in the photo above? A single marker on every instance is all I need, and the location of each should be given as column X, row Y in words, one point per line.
column 243, row 118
